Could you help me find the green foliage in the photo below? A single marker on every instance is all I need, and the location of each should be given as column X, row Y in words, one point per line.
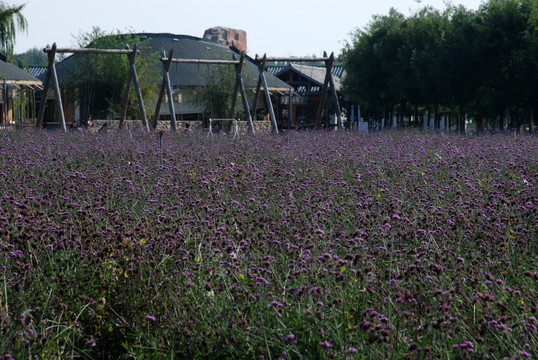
column 217, row 94
column 216, row 97
column 11, row 21
column 100, row 80
column 32, row 57
column 478, row 62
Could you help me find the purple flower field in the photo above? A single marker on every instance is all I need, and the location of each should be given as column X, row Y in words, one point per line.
column 300, row 246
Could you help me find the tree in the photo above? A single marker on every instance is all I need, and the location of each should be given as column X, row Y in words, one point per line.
column 371, row 62
column 11, row 21
column 32, row 57
column 214, row 97
column 482, row 63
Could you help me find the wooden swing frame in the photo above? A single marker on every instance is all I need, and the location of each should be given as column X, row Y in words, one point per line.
column 166, row 85
column 52, row 74
column 327, row 84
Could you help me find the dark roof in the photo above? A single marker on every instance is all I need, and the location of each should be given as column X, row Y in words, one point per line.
column 315, row 74
column 189, row 47
column 39, row 72
column 14, row 75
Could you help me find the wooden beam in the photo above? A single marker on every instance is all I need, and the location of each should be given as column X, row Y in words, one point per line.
column 238, row 68
column 298, row 59
column 244, row 96
column 268, row 101
column 164, row 86
column 41, row 112
column 4, row 95
column 328, row 67
column 339, row 124
column 171, row 106
column 125, row 102
column 58, row 96
column 89, row 51
column 258, row 88
column 161, row 95
column 202, row 61
column 132, row 58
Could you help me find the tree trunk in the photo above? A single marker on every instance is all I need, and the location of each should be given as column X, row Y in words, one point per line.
column 518, row 121
column 402, row 115
column 479, row 124
column 436, row 121
column 501, row 122
column 531, row 115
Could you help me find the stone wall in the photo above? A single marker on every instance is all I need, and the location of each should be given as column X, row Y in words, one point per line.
column 260, row 126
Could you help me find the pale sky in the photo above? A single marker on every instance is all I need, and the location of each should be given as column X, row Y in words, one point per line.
column 275, row 27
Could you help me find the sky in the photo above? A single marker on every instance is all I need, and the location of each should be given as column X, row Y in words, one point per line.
column 276, row 27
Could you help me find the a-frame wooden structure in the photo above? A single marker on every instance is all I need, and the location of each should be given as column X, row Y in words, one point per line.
column 166, row 85
column 52, row 75
column 327, row 85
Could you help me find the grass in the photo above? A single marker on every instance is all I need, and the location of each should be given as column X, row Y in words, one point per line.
column 314, row 245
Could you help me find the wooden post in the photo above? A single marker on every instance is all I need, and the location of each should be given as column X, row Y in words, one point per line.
column 339, row 124
column 290, row 110
column 328, row 66
column 4, row 95
column 125, row 102
column 166, row 68
column 50, row 54
column 238, row 68
column 236, row 86
column 258, row 87
column 21, row 109
column 171, row 106
column 268, row 101
column 290, row 105
column 132, row 58
column 58, row 96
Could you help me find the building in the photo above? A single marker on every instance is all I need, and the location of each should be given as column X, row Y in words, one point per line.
column 17, row 95
column 307, row 84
